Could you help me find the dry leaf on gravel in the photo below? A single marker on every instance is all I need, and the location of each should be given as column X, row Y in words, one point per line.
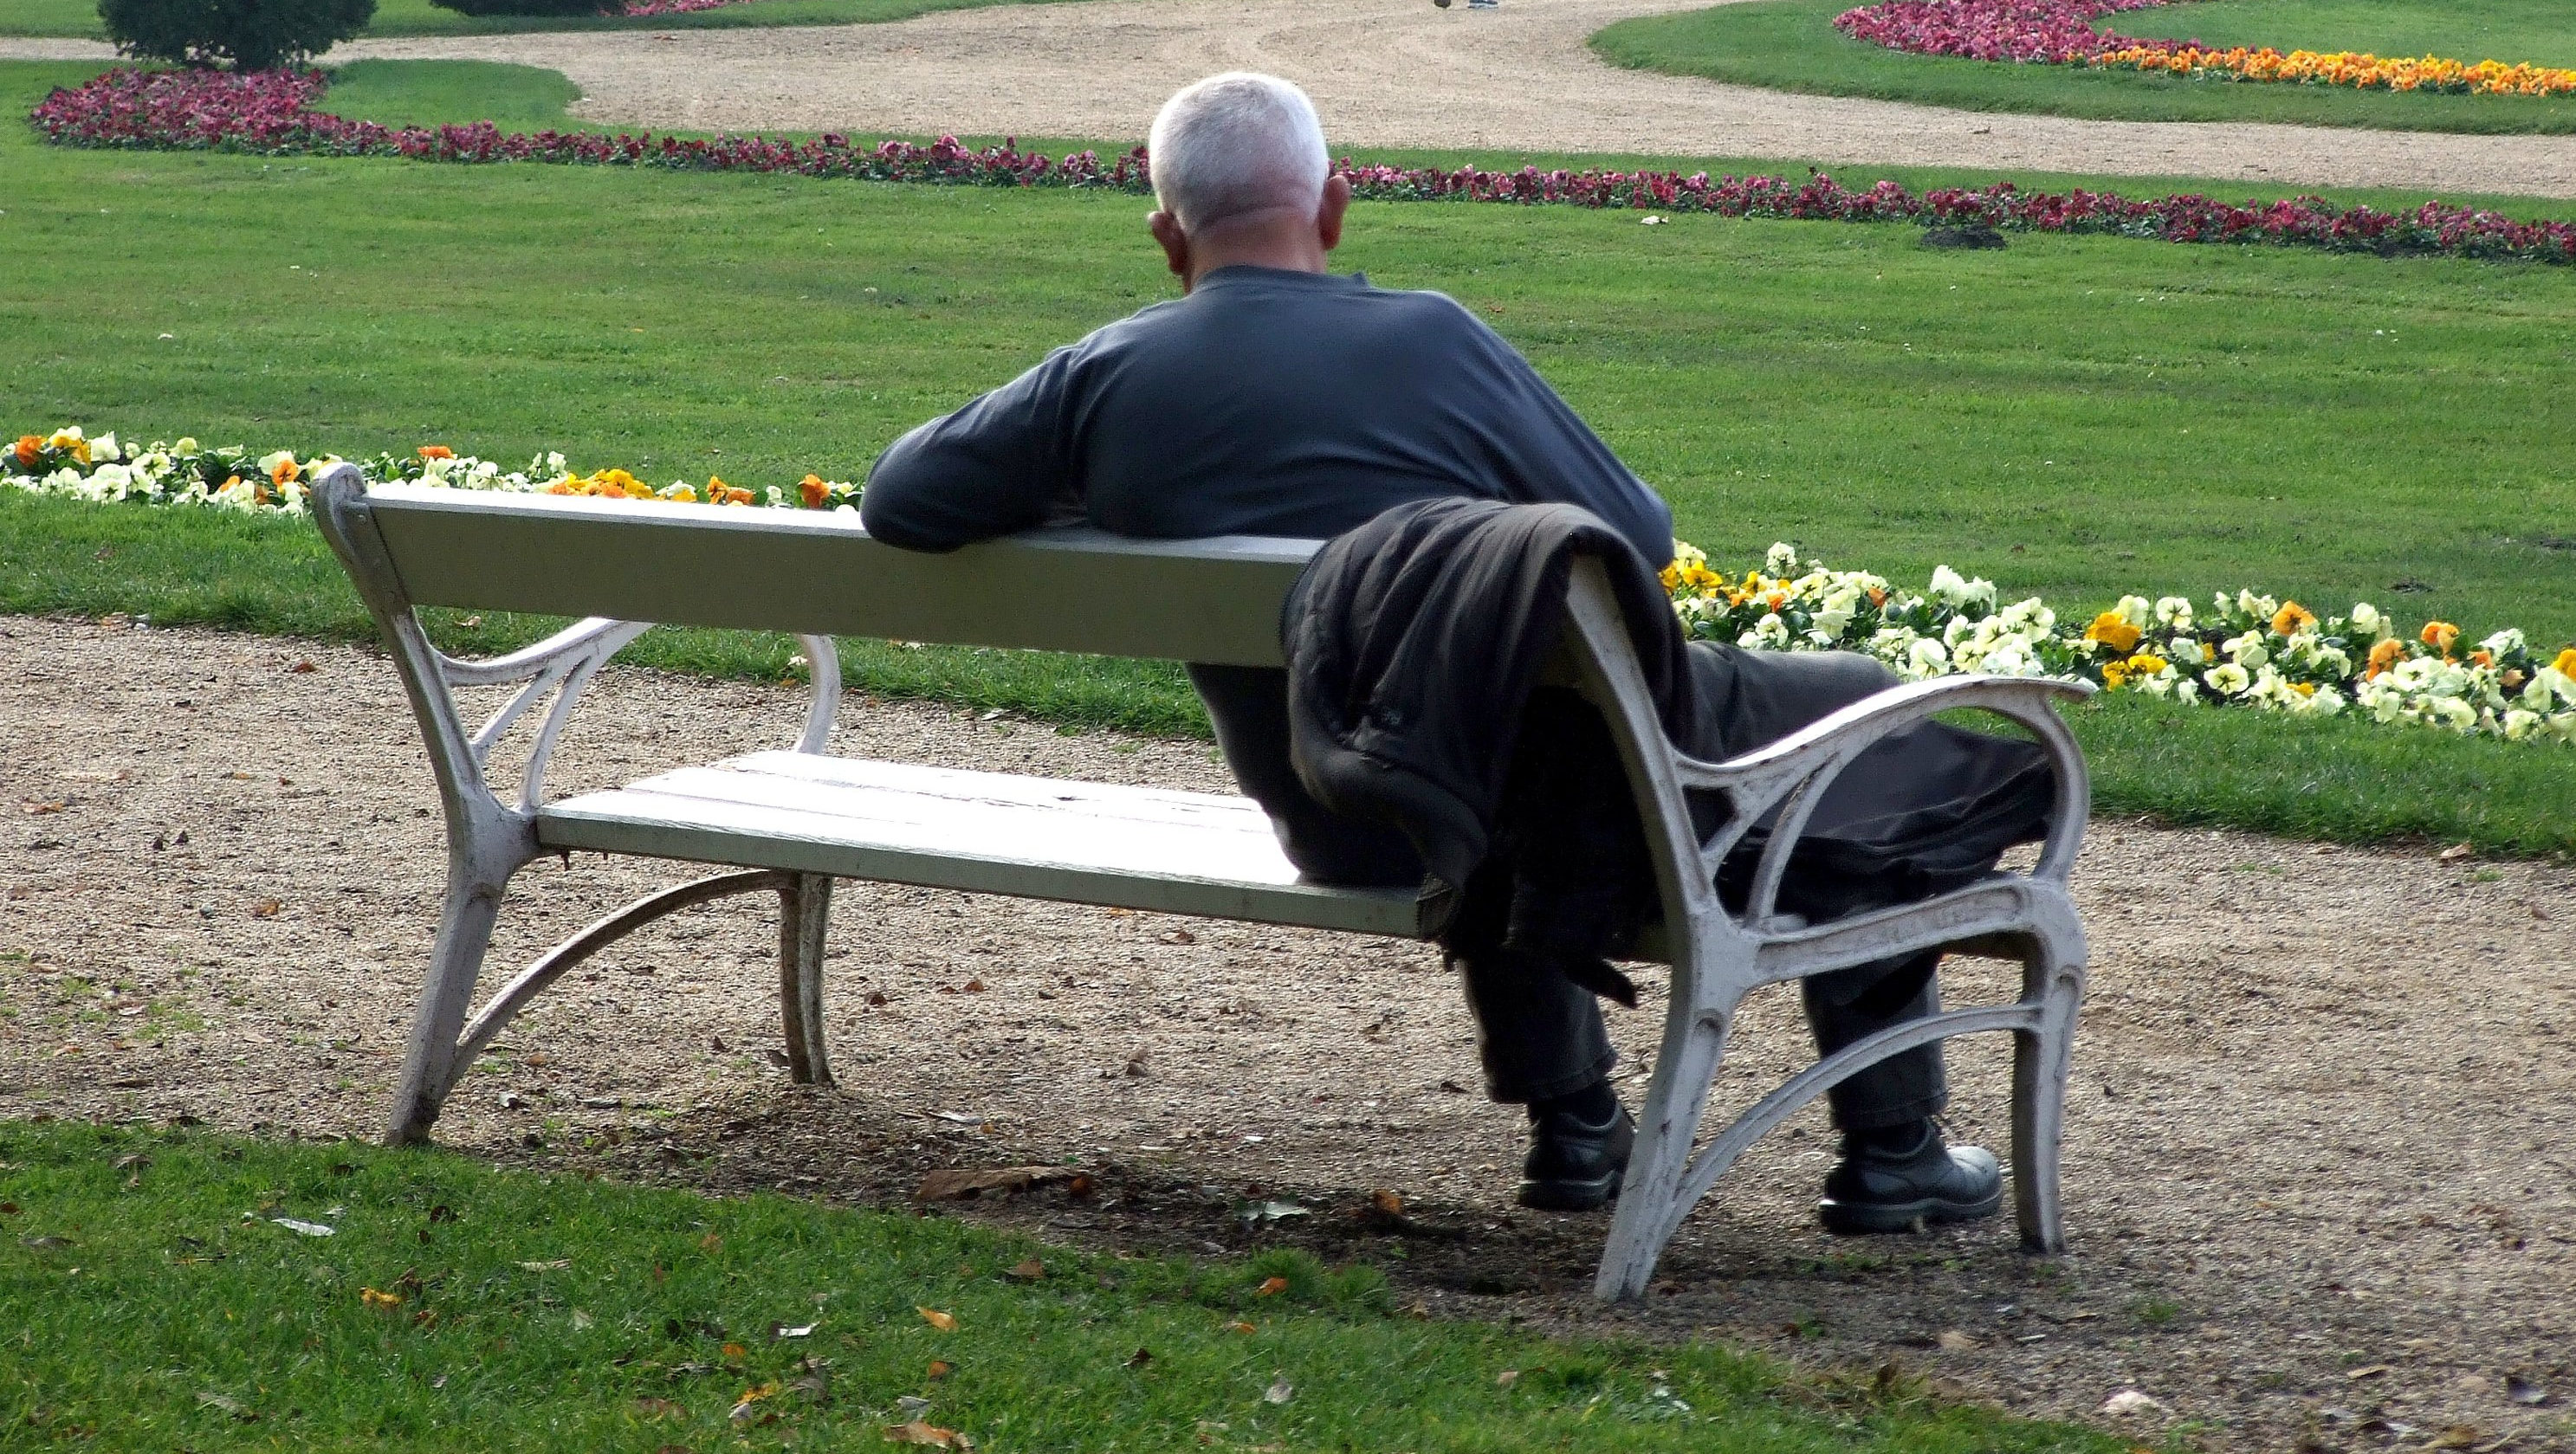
column 960, row 1184
column 944, row 1322
column 2131, row 1401
column 2456, row 852
column 265, row 909
column 1954, row 1341
column 918, row 1432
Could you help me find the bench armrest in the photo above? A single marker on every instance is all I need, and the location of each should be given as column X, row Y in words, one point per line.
column 1795, row 771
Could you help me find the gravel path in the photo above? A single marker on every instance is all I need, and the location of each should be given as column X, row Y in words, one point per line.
column 1400, row 73
column 2321, row 1175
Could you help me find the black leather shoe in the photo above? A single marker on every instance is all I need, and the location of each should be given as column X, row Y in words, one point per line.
column 1574, row 1167
column 1882, row 1188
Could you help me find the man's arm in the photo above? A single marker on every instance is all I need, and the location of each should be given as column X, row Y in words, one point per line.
column 992, row 468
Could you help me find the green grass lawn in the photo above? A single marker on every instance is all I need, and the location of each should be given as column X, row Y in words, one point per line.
column 2076, row 417
column 1791, row 45
column 151, row 1302
column 420, row 17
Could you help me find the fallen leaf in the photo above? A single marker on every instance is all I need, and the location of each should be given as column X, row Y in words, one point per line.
column 974, row 986
column 944, row 1322
column 2131, row 1401
column 302, row 667
column 302, row 1229
column 44, row 1243
column 1180, row 936
column 1954, row 1341
column 1030, row 1271
column 213, row 1400
column 1266, row 1212
column 960, row 1185
column 1140, row 1358
column 1239, row 1328
column 660, row 1408
column 1271, row 1287
column 711, row 1243
column 135, row 1161
column 38, row 810
column 2370, row 1371
column 2456, row 1436
column 2456, row 852
column 918, row 1432
column 734, row 1350
column 581, row 1320
column 1386, row 1203
column 911, row 1406
column 384, row 1301
column 265, row 909
column 806, row 1331
column 940, row 1368
column 556, row 1265
column 1507, row 1378
column 1279, row 1392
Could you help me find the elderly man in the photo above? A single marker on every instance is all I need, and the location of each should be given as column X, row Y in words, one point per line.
column 1275, row 398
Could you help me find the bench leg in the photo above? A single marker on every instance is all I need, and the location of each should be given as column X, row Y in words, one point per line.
column 2042, row 1059
column 464, row 936
column 1667, row 1125
column 804, row 916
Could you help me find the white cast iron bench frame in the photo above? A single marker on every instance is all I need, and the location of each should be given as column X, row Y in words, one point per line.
column 791, row 822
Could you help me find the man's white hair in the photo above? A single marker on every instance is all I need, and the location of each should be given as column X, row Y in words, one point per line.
column 1237, row 143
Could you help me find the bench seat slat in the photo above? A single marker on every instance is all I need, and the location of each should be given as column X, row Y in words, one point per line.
column 1085, row 842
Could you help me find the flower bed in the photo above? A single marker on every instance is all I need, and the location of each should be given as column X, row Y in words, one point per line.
column 2249, row 651
column 270, row 114
column 2060, row 32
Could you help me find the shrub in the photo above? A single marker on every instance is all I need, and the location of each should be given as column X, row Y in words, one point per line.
column 255, row 35
column 527, row 7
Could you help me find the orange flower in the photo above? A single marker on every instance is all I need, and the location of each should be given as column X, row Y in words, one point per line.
column 2383, row 656
column 1878, row 595
column 436, row 451
column 28, row 444
column 287, row 469
column 2482, row 658
column 2439, row 635
column 2292, row 619
column 2114, row 631
column 811, row 490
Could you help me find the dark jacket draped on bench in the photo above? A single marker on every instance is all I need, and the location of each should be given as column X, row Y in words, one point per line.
column 1414, row 645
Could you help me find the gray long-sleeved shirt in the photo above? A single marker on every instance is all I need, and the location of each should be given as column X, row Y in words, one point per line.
column 1266, row 402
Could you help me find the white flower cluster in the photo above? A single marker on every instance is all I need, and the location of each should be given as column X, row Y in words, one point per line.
column 2249, row 650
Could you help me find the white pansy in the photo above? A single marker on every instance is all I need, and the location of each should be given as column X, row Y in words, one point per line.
column 2227, row 679
column 1952, row 589
column 2367, row 620
column 2173, row 613
column 2135, row 610
column 1781, row 559
column 2504, row 643
column 186, row 445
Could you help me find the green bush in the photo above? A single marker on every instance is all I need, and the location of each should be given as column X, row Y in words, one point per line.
column 527, row 7
column 255, row 35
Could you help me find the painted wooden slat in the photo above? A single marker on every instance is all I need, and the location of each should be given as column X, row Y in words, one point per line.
column 790, row 778
column 1154, row 857
column 1211, row 600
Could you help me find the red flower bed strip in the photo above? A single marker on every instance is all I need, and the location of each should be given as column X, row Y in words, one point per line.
column 2058, row 32
column 270, row 114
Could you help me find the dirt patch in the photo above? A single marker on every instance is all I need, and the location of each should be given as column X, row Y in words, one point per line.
column 2321, row 1171
column 1398, row 73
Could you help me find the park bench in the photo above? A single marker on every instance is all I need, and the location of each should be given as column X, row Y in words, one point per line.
column 790, row 822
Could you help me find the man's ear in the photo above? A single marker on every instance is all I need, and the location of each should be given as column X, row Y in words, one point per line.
column 1176, row 243
column 1328, row 217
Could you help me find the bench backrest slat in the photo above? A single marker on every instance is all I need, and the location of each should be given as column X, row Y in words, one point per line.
column 750, row 568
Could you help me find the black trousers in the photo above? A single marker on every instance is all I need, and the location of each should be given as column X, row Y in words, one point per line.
column 1538, row 1034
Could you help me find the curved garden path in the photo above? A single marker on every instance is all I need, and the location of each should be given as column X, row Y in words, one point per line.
column 1399, row 73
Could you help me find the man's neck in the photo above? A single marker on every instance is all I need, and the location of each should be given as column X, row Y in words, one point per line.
column 1278, row 239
